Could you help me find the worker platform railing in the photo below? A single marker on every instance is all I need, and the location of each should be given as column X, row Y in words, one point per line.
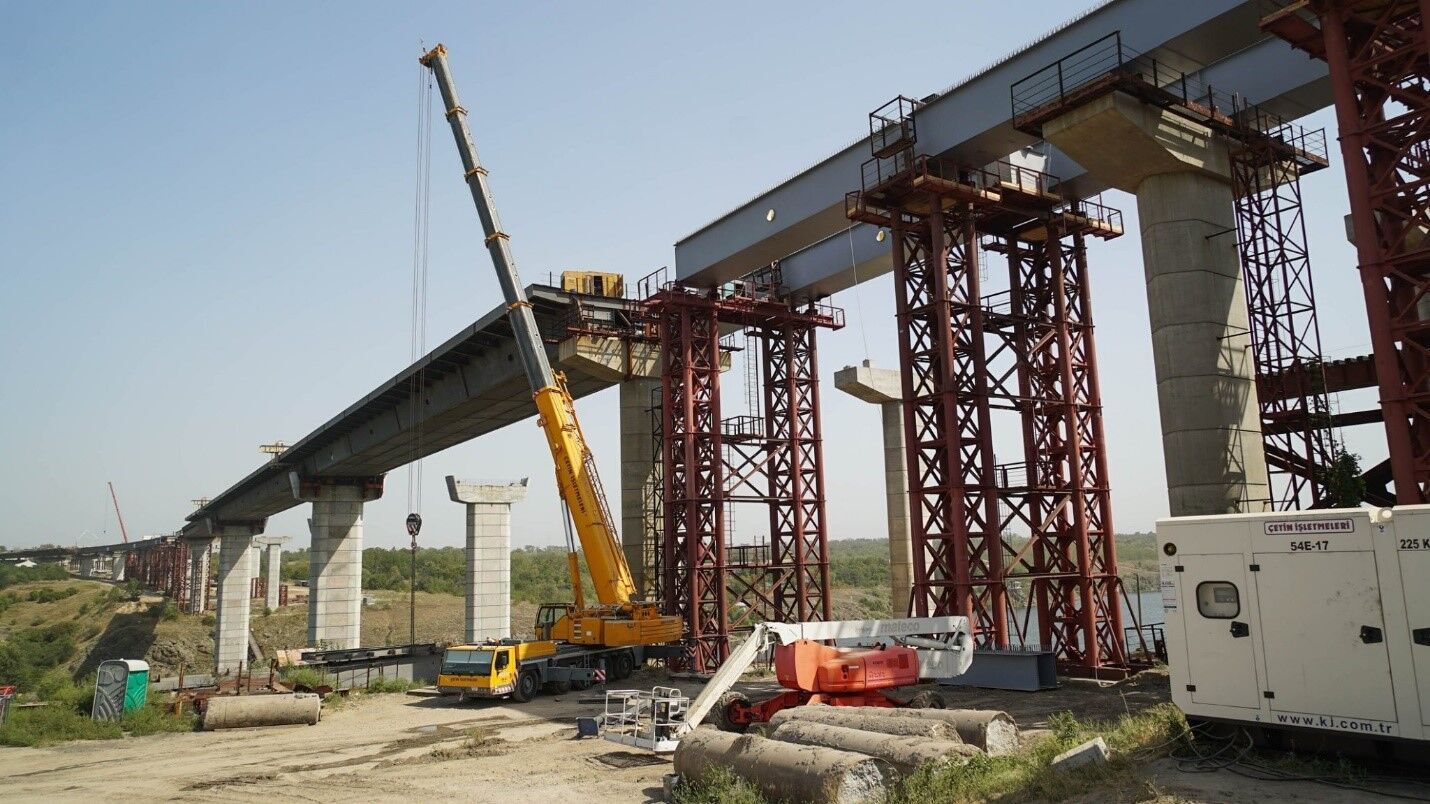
column 1108, row 65
column 644, row 718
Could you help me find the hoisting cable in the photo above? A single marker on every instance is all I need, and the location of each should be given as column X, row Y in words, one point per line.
column 858, row 300
column 421, row 206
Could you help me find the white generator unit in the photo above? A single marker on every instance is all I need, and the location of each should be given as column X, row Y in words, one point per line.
column 1302, row 620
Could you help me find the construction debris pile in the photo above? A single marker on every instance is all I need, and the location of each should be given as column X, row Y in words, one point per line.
column 844, row 754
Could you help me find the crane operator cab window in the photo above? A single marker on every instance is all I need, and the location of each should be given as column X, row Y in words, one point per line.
column 546, row 616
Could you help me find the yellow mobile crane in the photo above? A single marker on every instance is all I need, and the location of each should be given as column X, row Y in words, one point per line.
column 574, row 639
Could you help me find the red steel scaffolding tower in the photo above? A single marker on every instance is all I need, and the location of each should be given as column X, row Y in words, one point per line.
column 710, row 463
column 1379, row 59
column 160, row 564
column 1028, row 350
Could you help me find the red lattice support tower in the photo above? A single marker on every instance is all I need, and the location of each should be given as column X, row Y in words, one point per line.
column 799, row 541
column 693, row 545
column 953, row 498
column 1295, row 408
column 1377, row 53
column 161, row 565
column 1027, row 350
column 1070, row 559
column 712, row 465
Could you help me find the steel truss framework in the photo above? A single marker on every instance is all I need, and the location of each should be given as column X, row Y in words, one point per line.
column 709, row 464
column 1028, row 350
column 161, row 564
column 1296, row 423
column 1378, row 56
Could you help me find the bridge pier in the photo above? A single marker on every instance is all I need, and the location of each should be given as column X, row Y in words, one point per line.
column 640, row 489
column 1180, row 172
column 273, row 546
column 883, row 387
column 488, row 585
column 335, row 559
column 198, row 571
column 231, row 606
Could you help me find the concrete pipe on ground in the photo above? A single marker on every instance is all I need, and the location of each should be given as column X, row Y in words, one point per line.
column 873, row 718
column 905, row 754
column 989, row 730
column 784, row 771
column 244, row 711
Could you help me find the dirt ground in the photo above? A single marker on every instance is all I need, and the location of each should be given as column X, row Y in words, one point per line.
column 404, row 747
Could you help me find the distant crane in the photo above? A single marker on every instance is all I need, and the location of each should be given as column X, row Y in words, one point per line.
column 122, row 531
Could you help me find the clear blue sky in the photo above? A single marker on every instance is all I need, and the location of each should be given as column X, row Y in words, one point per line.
column 206, row 226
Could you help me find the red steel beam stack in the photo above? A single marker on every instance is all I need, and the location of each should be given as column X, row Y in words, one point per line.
column 1028, row 351
column 1377, row 53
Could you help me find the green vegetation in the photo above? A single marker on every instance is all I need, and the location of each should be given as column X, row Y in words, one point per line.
column 48, row 725
column 1345, row 487
column 387, row 685
column 538, row 575
column 721, row 786
column 11, row 574
column 27, row 656
column 1132, row 740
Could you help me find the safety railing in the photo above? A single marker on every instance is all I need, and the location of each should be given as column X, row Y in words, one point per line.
column 1108, row 64
column 892, row 127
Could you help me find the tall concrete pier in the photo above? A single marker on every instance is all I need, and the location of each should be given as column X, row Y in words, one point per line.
column 1180, row 173
column 882, row 387
column 638, row 476
column 335, row 559
column 488, row 611
column 198, row 570
column 272, row 548
column 231, row 606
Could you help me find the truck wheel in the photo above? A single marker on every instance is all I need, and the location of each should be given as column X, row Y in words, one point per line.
column 558, row 687
column 721, row 712
column 580, row 685
column 928, row 699
column 527, row 685
column 622, row 665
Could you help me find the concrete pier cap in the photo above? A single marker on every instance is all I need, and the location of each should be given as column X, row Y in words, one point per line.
column 884, row 387
column 1180, row 171
column 472, row 492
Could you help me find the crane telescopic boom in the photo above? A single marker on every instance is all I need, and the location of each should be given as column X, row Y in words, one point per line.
column 575, row 471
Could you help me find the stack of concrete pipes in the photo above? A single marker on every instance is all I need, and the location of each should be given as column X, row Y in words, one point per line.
column 844, row 754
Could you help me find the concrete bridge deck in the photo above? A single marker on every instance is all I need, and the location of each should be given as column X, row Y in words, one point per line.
column 473, row 384
column 1215, row 41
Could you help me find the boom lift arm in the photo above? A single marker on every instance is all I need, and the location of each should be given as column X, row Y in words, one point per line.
column 575, row 471
column 950, row 656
